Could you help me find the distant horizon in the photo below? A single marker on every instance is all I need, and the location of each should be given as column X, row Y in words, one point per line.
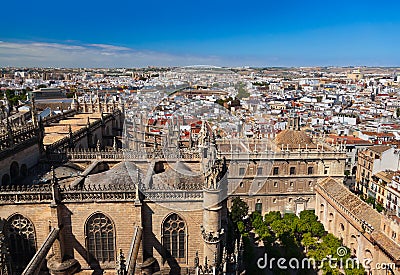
column 222, row 67
column 208, row 66
column 179, row 33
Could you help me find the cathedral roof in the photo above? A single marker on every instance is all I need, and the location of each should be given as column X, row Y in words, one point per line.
column 179, row 175
column 182, row 168
column 292, row 139
column 65, row 174
column 121, row 173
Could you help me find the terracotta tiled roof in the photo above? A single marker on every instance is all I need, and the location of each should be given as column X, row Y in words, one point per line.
column 379, row 148
column 388, row 245
column 351, row 202
column 378, row 134
column 292, row 139
column 385, row 175
column 362, row 211
column 347, row 139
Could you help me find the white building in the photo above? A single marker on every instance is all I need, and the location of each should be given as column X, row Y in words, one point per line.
column 393, row 196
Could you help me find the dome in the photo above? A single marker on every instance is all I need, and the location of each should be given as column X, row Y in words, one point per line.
column 292, row 139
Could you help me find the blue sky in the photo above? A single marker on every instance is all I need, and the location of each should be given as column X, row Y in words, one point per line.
column 225, row 33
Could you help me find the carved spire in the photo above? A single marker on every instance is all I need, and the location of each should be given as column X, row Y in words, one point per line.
column 75, row 103
column 196, row 259
column 121, row 264
column 102, row 118
column 53, row 176
column 202, row 134
column 98, row 145
column 215, row 262
column 54, row 188
column 41, row 134
column 71, row 137
column 3, row 255
column 138, row 184
column 99, row 107
column 235, row 248
column 10, row 132
column 224, row 261
column 115, row 147
column 33, row 111
column 6, row 104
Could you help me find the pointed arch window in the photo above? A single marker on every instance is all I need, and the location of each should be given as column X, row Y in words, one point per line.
column 21, row 241
column 174, row 235
column 100, row 238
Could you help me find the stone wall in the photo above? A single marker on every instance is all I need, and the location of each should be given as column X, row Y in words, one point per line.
column 28, row 157
column 153, row 216
column 361, row 243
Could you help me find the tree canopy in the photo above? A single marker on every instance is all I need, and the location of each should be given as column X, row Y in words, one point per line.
column 239, row 210
column 290, row 236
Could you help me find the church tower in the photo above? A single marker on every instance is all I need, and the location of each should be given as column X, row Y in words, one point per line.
column 214, row 225
column 75, row 103
column 293, row 122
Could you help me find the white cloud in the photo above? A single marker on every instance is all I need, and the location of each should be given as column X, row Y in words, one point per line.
column 110, row 47
column 40, row 54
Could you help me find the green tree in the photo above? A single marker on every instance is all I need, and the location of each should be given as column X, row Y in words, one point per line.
column 356, row 270
column 292, row 221
column 272, row 216
column 379, row 207
column 328, row 246
column 280, row 227
column 261, row 228
column 304, row 227
column 330, row 270
column 308, row 241
column 331, row 244
column 256, row 220
column 239, row 210
column 14, row 96
column 317, row 229
column 308, row 215
column 242, row 228
column 265, row 234
column 371, row 200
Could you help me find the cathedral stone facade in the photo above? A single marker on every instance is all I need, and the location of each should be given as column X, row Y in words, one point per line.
column 104, row 209
column 128, row 196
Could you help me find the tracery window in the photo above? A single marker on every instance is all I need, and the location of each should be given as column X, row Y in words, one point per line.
column 21, row 241
column 100, row 238
column 174, row 236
